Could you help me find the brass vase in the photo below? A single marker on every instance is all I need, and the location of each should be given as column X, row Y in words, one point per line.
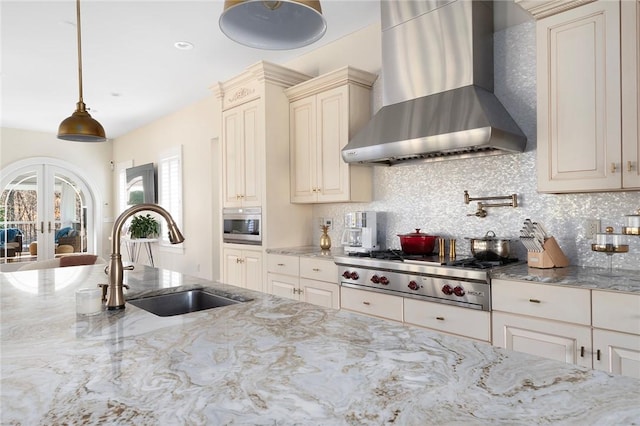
column 325, row 239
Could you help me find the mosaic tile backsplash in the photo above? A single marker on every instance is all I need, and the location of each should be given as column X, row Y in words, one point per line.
column 430, row 196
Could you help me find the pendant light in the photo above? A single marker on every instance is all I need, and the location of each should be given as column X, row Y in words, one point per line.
column 273, row 25
column 80, row 126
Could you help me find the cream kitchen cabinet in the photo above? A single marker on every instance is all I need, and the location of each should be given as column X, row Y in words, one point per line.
column 324, row 113
column 371, row 303
column 616, row 332
column 587, row 70
column 242, row 155
column 310, row 280
column 448, row 319
column 243, row 268
column 549, row 321
column 254, row 158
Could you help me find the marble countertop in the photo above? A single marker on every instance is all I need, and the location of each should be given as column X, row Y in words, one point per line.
column 308, row 251
column 574, row 276
column 267, row 361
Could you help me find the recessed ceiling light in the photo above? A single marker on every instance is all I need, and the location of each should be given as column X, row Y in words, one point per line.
column 183, row 45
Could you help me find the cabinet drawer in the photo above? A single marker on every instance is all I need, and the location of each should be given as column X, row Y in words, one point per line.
column 319, row 269
column 540, row 300
column 448, row 319
column 616, row 311
column 371, row 303
column 282, row 264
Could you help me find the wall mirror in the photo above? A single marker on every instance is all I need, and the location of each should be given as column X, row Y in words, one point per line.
column 141, row 184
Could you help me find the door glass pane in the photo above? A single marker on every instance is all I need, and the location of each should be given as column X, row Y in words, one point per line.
column 19, row 218
column 69, row 216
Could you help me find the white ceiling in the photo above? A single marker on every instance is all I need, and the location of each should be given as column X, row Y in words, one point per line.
column 132, row 73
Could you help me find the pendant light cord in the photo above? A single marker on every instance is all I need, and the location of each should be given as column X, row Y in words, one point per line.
column 79, row 51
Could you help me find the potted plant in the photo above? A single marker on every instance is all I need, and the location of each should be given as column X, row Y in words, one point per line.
column 144, row 227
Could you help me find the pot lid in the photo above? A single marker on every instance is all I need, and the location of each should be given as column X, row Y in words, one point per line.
column 417, row 233
column 489, row 236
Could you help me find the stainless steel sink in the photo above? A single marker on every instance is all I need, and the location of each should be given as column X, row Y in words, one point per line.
column 182, row 302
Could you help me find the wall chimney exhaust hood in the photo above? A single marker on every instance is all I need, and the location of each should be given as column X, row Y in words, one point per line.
column 437, row 69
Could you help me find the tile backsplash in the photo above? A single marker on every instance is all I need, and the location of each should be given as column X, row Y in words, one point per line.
column 430, row 196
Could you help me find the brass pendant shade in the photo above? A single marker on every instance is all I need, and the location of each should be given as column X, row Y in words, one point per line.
column 80, row 126
column 273, row 25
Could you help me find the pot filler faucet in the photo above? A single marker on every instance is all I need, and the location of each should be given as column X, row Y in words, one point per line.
column 115, row 295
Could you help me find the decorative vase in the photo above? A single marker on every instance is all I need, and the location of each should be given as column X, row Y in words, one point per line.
column 325, row 239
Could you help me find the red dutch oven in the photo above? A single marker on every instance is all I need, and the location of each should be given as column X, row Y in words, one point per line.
column 417, row 242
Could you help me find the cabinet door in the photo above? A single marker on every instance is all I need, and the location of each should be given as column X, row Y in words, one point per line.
column 579, row 108
column 242, row 158
column 320, row 293
column 616, row 353
column 550, row 339
column 232, row 155
column 283, row 285
column 252, row 265
column 303, row 150
column 333, row 135
column 231, row 268
column 630, row 18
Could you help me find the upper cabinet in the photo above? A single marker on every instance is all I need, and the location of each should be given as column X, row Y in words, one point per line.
column 588, row 98
column 242, row 156
column 324, row 113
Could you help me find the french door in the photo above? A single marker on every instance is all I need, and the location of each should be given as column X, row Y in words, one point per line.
column 46, row 210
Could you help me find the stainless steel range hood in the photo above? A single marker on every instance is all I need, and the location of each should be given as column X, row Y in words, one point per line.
column 437, row 69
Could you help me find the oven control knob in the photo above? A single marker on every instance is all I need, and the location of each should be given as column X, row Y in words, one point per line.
column 354, row 276
column 375, row 279
column 346, row 274
column 413, row 285
column 447, row 289
column 458, row 291
column 384, row 280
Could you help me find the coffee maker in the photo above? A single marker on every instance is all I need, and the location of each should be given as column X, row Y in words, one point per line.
column 360, row 232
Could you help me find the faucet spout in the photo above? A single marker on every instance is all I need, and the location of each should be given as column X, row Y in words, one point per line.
column 115, row 294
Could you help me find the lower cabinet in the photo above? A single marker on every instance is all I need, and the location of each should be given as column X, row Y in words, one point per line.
column 371, row 303
column 546, row 338
column 616, row 333
column 305, row 279
column 597, row 329
column 243, row 268
column 462, row 322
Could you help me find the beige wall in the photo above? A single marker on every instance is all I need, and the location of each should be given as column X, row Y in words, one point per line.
column 90, row 161
column 195, row 128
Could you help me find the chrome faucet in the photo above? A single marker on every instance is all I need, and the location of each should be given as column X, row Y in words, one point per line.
column 115, row 295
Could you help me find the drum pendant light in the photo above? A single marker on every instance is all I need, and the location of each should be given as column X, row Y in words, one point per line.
column 273, row 25
column 80, row 127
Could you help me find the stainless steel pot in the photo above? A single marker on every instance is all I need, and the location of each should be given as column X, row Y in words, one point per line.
column 490, row 248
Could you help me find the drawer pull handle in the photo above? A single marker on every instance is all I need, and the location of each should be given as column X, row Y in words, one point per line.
column 581, row 351
column 598, row 354
column 280, row 264
column 629, row 166
column 366, row 303
column 316, row 270
column 440, row 318
column 614, row 167
column 534, row 301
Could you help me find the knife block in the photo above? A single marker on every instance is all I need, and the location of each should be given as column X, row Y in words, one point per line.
column 550, row 257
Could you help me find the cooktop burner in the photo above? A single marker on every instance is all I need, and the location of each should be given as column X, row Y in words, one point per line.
column 434, row 259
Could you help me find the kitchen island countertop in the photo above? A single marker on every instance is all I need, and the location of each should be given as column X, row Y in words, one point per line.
column 268, row 361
